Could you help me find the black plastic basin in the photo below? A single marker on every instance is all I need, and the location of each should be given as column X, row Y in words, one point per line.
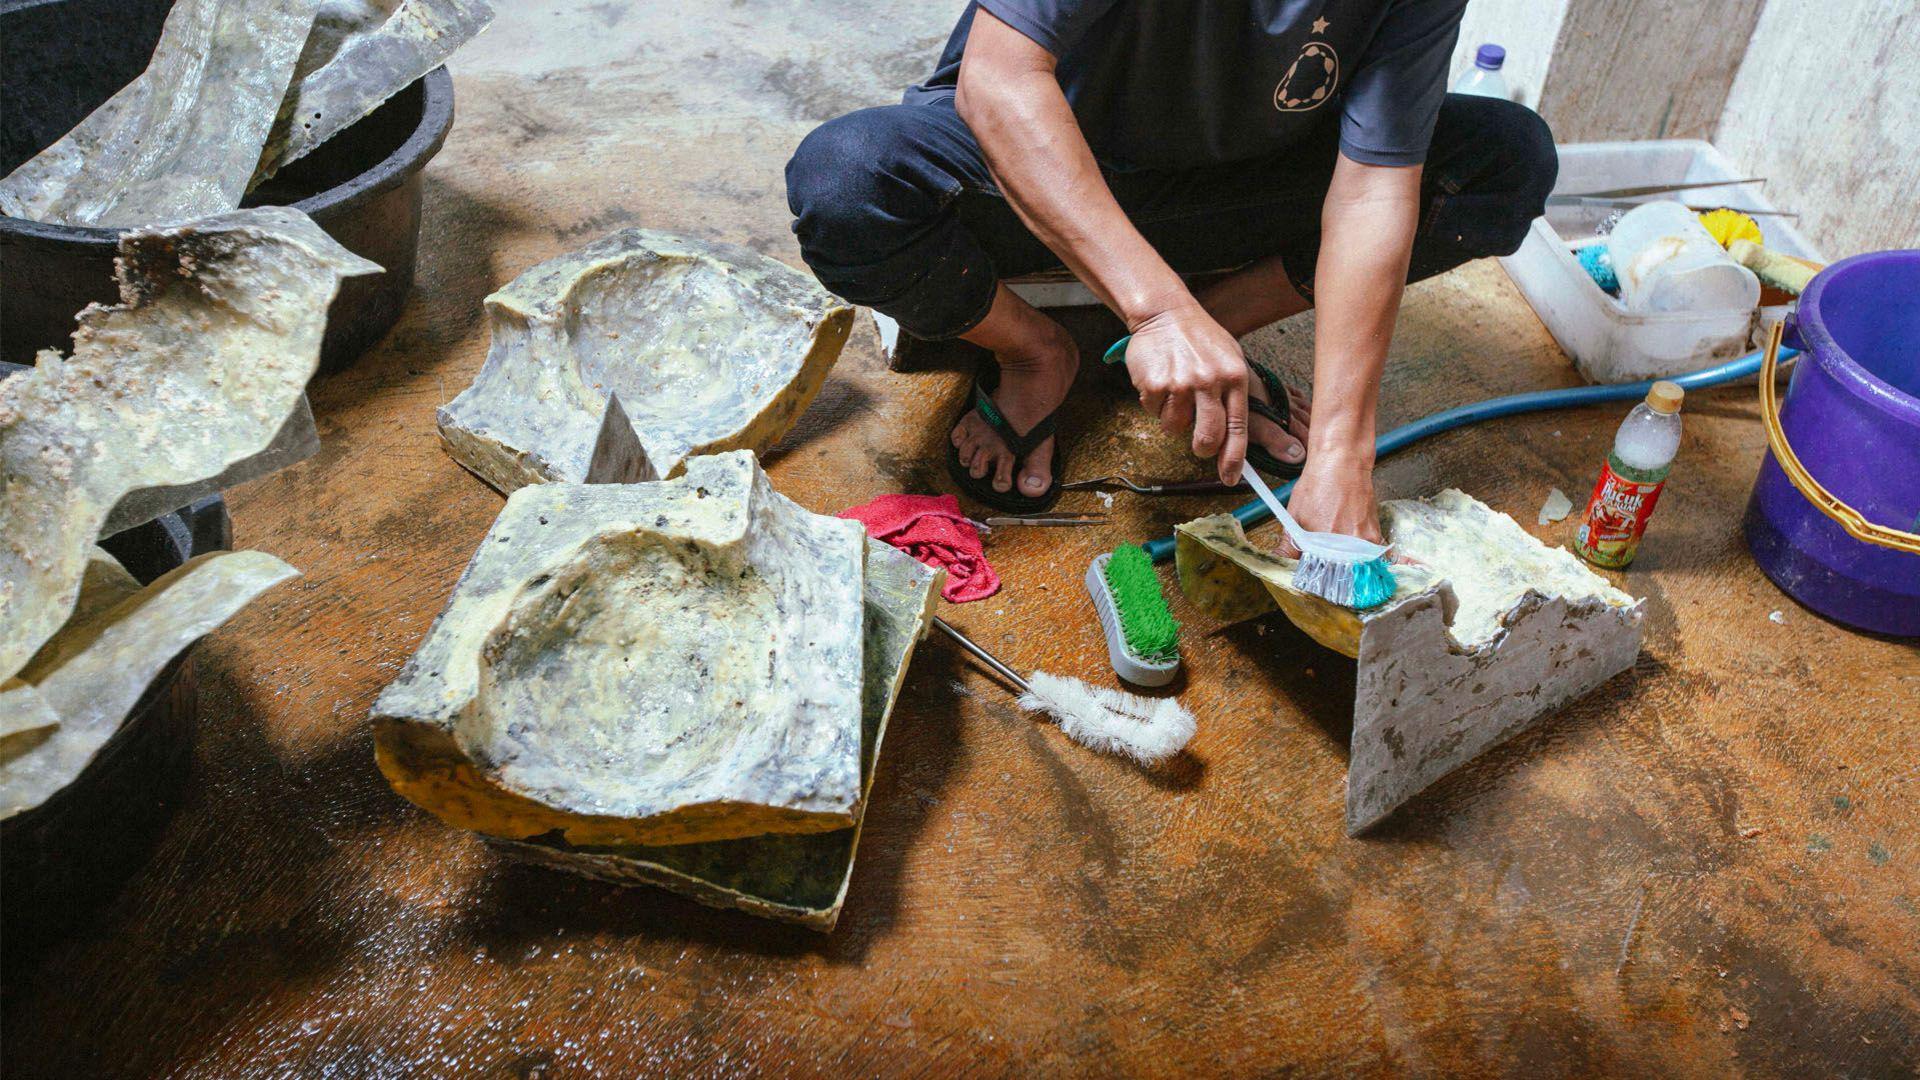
column 60, row 59
column 62, row 860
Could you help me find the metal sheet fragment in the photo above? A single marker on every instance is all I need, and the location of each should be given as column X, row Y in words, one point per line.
column 361, row 53
column 661, row 663
column 1492, row 631
column 200, row 367
column 181, row 140
column 710, row 347
column 96, row 668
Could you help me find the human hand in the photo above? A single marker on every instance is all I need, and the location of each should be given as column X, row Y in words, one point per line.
column 1191, row 375
column 1334, row 494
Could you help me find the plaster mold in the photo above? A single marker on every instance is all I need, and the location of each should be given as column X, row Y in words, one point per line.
column 660, row 663
column 361, row 53
column 1492, row 631
column 181, row 140
column 202, row 365
column 801, row 879
column 297, row 440
column 26, row 720
column 710, row 348
column 90, row 674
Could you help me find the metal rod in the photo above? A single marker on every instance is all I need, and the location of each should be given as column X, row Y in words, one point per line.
column 1662, row 189
column 1047, row 520
column 985, row 656
column 1593, row 202
column 1171, row 487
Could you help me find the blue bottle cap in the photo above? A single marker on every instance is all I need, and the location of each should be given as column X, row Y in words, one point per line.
column 1490, row 57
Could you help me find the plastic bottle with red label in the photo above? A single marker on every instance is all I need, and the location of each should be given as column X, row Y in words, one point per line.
column 1630, row 482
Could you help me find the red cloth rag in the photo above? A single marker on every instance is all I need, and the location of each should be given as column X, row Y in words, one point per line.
column 932, row 529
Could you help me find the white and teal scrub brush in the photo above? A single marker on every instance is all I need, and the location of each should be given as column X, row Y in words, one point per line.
column 1347, row 570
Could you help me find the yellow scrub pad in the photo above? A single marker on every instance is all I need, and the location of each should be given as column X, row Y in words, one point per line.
column 1730, row 225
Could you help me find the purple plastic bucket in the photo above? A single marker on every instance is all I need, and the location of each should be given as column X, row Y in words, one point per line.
column 1852, row 415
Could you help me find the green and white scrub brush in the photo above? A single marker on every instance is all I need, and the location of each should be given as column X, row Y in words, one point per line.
column 1143, row 641
column 1344, row 569
column 1148, row 730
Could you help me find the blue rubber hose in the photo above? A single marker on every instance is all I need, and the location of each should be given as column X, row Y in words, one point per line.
column 1406, row 435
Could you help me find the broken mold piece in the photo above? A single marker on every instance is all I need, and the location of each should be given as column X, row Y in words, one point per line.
column 297, row 440
column 101, row 661
column 361, row 53
column 660, row 663
column 801, row 879
column 180, row 141
column 26, row 720
column 201, row 367
column 1489, row 631
column 1556, row 507
column 709, row 346
column 618, row 457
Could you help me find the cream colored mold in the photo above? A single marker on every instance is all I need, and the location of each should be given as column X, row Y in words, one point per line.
column 801, row 879
column 710, row 348
column 361, row 53
column 182, row 139
column 658, row 663
column 1491, row 631
column 91, row 673
column 200, row 366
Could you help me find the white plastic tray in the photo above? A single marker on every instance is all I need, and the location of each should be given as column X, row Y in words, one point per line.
column 1609, row 344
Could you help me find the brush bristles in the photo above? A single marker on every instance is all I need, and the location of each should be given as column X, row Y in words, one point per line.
column 1146, row 623
column 1365, row 585
column 1373, row 583
column 1148, row 730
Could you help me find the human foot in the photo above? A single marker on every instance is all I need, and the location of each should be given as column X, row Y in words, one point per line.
column 1034, row 380
column 1242, row 302
column 1288, row 444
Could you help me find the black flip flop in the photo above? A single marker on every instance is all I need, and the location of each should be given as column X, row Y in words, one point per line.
column 981, row 488
column 1280, row 412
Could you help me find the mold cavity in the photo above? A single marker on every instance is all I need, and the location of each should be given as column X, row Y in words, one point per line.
column 682, row 338
column 610, row 664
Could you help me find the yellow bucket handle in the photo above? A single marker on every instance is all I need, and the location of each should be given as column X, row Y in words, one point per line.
column 1825, row 501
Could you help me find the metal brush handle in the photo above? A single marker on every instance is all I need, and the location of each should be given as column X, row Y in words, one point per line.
column 983, row 655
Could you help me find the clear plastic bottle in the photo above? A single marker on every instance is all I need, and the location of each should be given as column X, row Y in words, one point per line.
column 1630, row 482
column 1484, row 78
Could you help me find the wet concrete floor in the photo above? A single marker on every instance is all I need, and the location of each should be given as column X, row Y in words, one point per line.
column 1708, row 866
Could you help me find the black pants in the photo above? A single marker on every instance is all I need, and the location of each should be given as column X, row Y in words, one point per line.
column 895, row 209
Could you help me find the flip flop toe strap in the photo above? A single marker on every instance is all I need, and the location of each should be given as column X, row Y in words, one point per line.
column 1279, row 408
column 1019, row 445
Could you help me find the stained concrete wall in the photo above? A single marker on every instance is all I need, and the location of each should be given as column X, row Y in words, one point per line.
column 1646, row 69
column 1827, row 105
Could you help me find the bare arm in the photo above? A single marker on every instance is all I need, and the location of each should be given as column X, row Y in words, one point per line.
column 1367, row 224
column 1189, row 371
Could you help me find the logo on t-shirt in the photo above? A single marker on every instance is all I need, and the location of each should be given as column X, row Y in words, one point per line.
column 1310, row 81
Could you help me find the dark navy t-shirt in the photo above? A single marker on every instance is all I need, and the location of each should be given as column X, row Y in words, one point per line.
column 1174, row 83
